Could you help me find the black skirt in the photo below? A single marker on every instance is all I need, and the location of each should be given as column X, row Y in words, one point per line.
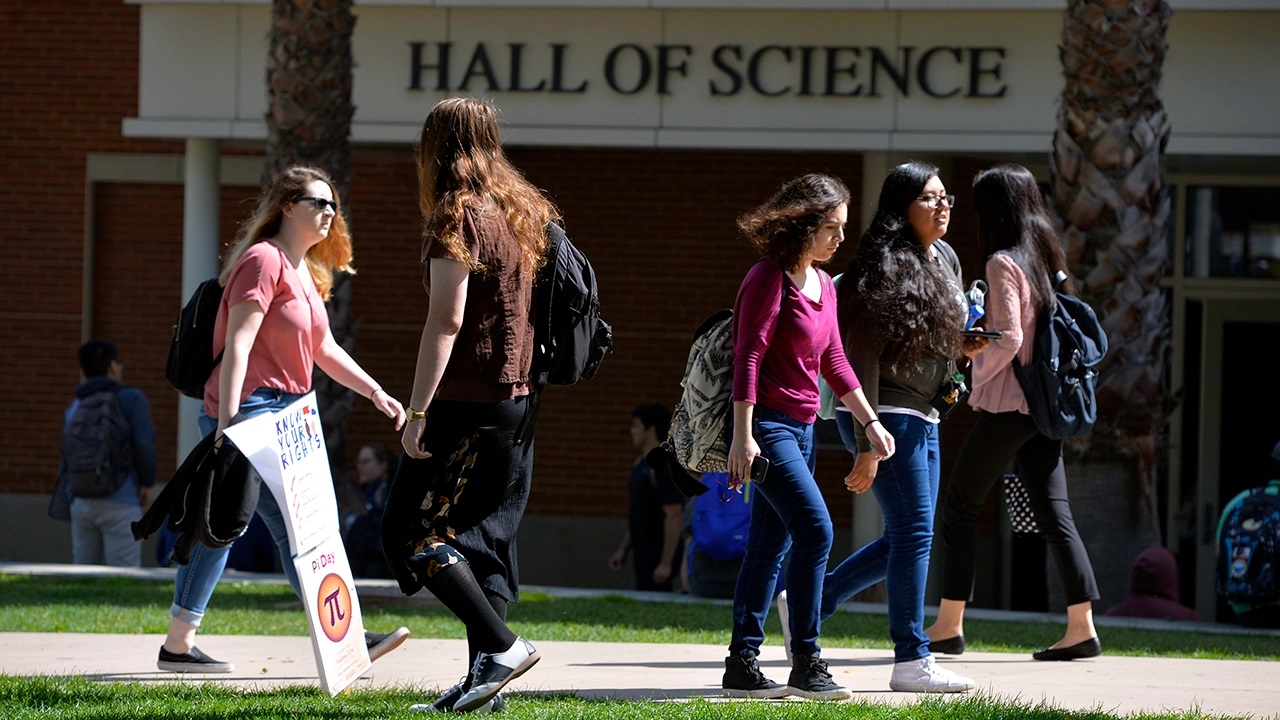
column 471, row 493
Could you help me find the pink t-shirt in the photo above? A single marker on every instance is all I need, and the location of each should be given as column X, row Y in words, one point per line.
column 294, row 326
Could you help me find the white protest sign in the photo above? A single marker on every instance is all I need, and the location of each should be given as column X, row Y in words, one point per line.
column 333, row 612
column 287, row 449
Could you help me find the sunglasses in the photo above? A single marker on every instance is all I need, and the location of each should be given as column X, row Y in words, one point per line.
column 322, row 204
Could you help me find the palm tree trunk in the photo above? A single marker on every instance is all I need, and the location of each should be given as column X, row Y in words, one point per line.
column 1107, row 185
column 309, row 123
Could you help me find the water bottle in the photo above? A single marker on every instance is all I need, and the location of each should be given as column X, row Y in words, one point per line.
column 976, row 296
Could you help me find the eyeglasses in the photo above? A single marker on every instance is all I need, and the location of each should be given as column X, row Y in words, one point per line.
column 933, row 201
column 321, row 203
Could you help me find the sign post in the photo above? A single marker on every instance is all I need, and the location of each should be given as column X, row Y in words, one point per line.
column 287, row 449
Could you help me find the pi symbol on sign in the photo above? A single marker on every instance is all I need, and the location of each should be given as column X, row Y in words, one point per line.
column 333, row 607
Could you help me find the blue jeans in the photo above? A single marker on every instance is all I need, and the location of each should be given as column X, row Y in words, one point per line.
column 196, row 580
column 906, row 487
column 794, row 513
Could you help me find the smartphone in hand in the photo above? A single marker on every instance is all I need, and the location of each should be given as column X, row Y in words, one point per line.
column 759, row 466
column 982, row 333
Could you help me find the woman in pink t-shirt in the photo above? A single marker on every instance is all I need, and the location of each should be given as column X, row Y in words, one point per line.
column 271, row 329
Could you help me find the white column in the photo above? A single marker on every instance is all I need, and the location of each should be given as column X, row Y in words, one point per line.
column 868, row 523
column 200, row 205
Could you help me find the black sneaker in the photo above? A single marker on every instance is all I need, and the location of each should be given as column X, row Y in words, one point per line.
column 192, row 661
column 810, row 679
column 743, row 679
column 492, row 671
column 380, row 644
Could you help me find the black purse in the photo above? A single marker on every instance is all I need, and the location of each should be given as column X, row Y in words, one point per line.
column 951, row 393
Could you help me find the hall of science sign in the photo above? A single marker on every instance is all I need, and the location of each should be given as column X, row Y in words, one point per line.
column 940, row 71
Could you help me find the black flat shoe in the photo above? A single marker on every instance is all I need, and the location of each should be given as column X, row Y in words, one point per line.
column 1087, row 649
column 948, row 646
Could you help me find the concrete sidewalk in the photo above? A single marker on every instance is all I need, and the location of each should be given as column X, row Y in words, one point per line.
column 1118, row 685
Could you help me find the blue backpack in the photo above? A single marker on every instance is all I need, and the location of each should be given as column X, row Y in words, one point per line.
column 1248, row 567
column 1061, row 382
column 721, row 518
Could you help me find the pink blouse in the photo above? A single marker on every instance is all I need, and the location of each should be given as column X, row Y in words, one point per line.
column 1009, row 310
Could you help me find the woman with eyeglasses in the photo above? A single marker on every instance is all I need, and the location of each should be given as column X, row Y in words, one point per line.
column 901, row 314
column 271, row 329
column 458, row 495
column 785, row 335
column 1023, row 253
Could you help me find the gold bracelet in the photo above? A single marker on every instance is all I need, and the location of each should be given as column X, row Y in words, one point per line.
column 411, row 415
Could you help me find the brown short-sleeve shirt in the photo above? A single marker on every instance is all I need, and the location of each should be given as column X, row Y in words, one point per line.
column 491, row 356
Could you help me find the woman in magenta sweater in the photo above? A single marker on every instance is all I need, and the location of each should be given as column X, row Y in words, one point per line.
column 785, row 334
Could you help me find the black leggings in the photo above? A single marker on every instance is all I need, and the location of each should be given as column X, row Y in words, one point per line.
column 995, row 439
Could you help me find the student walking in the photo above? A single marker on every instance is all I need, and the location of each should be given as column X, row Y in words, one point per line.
column 459, row 493
column 1023, row 254
column 901, row 313
column 785, row 334
column 271, row 330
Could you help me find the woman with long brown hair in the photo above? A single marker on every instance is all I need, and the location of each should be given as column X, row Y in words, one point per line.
column 459, row 493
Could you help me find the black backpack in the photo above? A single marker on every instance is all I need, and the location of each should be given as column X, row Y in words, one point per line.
column 569, row 338
column 1248, row 567
column 191, row 359
column 1062, row 380
column 97, row 446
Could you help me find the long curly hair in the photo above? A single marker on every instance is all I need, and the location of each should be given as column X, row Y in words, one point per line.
column 892, row 280
column 1013, row 219
column 783, row 228
column 461, row 165
column 332, row 253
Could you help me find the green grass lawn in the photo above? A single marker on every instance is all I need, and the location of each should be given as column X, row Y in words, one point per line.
column 125, row 605
column 122, row 605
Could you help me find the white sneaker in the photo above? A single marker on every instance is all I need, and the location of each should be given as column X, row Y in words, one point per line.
column 926, row 676
column 784, row 617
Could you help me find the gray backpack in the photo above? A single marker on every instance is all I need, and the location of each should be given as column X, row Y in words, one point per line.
column 97, row 447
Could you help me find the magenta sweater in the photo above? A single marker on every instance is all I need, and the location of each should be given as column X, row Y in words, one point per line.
column 780, row 348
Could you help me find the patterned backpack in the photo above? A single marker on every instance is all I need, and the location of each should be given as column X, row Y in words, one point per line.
column 699, row 434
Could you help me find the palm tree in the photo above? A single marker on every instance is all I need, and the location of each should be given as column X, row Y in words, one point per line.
column 1107, row 186
column 308, row 117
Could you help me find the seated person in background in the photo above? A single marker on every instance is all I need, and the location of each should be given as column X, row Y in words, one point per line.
column 1153, row 589
column 363, row 539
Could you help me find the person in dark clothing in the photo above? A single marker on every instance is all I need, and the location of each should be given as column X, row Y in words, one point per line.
column 363, row 538
column 100, row 526
column 656, row 508
column 1153, row 589
column 461, row 488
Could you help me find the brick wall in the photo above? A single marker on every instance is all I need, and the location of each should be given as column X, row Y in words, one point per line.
column 68, row 75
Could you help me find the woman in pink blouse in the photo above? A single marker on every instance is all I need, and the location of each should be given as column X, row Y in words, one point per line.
column 1024, row 253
